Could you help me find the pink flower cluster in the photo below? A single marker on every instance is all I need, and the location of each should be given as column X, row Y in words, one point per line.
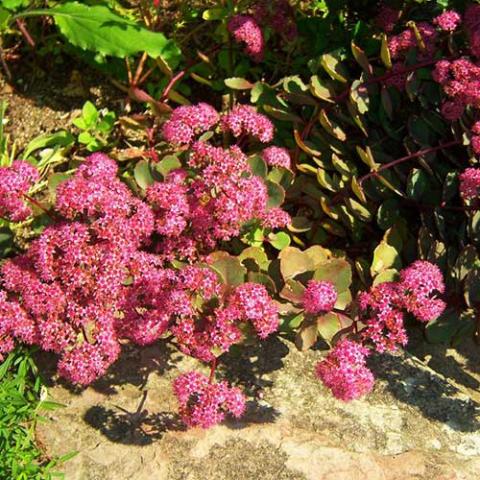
column 85, row 282
column 246, row 30
column 475, row 140
column 119, row 267
column 387, row 18
column 95, row 195
column 244, row 120
column 278, row 15
column 470, row 183
column 345, row 372
column 471, row 21
column 460, row 80
column 382, row 307
column 419, row 284
column 218, row 194
column 381, row 310
column 276, row 157
column 319, row 297
column 220, row 327
column 189, row 121
column 383, row 317
column 205, row 404
column 448, row 20
column 399, row 45
column 15, row 182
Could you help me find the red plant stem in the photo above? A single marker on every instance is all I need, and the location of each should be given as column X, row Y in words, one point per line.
column 305, row 132
column 4, row 65
column 140, row 67
column 420, row 153
column 22, row 27
column 213, row 367
column 176, row 78
column 37, row 204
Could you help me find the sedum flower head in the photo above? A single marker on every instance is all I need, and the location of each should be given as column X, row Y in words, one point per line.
column 204, row 404
column 448, row 20
column 247, row 31
column 319, row 296
column 15, row 182
column 344, row 371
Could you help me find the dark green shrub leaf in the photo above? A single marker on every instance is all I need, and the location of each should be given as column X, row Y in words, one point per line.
column 417, row 183
column 99, row 29
column 388, row 213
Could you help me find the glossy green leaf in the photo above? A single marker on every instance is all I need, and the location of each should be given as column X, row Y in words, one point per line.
column 230, row 269
column 384, row 257
column 167, row 164
column 294, row 262
column 334, row 68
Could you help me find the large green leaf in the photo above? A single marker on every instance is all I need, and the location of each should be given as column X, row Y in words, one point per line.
column 99, row 29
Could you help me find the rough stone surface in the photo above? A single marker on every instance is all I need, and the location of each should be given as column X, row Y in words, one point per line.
column 415, row 425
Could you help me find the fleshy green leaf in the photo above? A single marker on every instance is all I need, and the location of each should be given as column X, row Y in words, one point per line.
column 279, row 240
column 143, row 175
column 237, row 83
column 337, row 271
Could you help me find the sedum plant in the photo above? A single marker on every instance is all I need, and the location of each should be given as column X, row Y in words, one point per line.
column 120, row 263
column 336, row 204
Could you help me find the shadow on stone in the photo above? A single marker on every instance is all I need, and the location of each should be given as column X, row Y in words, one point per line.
column 133, row 367
column 249, row 366
column 138, row 428
column 254, row 414
column 433, row 396
column 462, row 363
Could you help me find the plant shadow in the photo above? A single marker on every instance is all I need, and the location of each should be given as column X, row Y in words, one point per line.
column 249, row 366
column 133, row 367
column 132, row 428
column 432, row 395
column 461, row 364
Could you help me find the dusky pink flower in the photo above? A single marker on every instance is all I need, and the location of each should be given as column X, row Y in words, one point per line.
column 247, row 31
column 344, row 371
column 319, row 296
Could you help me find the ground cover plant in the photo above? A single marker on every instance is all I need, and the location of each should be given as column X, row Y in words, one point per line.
column 305, row 169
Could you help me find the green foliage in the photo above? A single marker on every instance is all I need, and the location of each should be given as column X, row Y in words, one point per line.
column 95, row 127
column 22, row 399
